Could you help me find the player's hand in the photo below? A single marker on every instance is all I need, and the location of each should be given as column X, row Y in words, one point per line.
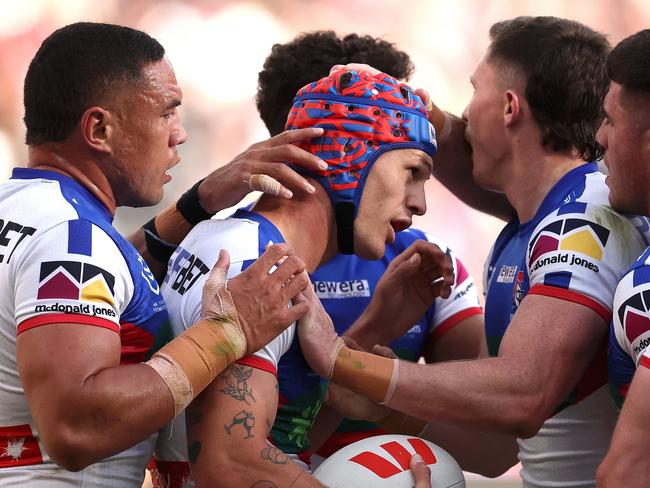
column 420, row 471
column 227, row 185
column 318, row 340
column 259, row 296
column 407, row 288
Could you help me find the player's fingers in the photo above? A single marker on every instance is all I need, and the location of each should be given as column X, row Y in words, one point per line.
column 287, row 177
column 298, row 284
column 271, row 256
column 292, row 136
column 420, row 471
column 355, row 67
column 292, row 154
column 287, row 268
column 384, row 351
column 351, row 343
column 298, row 310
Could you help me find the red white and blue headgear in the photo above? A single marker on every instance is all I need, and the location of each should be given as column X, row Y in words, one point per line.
column 363, row 116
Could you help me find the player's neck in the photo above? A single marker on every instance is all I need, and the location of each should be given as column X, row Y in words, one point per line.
column 534, row 173
column 306, row 222
column 62, row 159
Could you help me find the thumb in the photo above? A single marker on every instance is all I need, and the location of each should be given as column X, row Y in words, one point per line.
column 220, row 268
column 421, row 472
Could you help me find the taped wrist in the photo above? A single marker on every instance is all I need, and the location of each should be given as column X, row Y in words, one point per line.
column 374, row 377
column 191, row 361
column 397, row 422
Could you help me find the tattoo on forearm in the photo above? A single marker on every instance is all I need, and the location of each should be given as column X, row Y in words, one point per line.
column 264, row 484
column 194, row 450
column 236, row 378
column 275, row 455
column 246, row 420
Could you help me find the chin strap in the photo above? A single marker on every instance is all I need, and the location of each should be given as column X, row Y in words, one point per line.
column 345, row 227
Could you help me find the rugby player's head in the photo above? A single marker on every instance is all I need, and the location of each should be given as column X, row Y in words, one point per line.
column 367, row 119
column 625, row 131
column 78, row 66
column 563, row 66
column 309, row 57
column 103, row 98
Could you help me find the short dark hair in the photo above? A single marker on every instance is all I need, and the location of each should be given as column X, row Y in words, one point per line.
column 629, row 65
column 564, row 65
column 76, row 67
column 308, row 58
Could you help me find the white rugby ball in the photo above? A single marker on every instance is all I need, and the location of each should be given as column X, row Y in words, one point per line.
column 383, row 461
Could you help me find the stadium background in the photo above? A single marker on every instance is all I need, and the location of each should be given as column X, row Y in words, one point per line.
column 218, row 47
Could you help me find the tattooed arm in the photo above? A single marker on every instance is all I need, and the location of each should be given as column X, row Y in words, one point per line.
column 227, row 429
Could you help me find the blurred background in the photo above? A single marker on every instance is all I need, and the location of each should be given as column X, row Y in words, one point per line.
column 218, row 47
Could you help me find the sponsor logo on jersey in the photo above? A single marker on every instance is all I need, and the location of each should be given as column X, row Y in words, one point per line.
column 185, row 270
column 341, row 289
column 635, row 318
column 518, row 290
column 576, row 236
column 72, row 280
column 384, row 468
column 507, row 274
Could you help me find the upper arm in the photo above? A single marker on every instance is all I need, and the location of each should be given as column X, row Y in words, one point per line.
column 71, row 288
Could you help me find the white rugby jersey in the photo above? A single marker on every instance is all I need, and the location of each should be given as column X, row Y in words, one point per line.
column 62, row 261
column 630, row 328
column 575, row 248
column 245, row 236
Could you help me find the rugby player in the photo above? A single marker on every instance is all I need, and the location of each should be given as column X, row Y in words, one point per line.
column 82, row 315
column 551, row 275
column 378, row 144
column 435, row 328
column 624, row 134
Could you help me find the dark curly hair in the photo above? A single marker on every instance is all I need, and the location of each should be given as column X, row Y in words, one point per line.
column 564, row 63
column 308, row 58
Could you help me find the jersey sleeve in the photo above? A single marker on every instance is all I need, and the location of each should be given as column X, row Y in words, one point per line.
column 462, row 303
column 73, row 273
column 188, row 270
column 579, row 253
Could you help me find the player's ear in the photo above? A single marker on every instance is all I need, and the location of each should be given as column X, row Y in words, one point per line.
column 511, row 109
column 96, row 128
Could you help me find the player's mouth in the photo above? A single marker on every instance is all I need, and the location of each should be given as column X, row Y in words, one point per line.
column 399, row 225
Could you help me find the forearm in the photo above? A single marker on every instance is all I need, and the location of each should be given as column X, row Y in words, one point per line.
column 227, row 430
column 492, row 394
column 453, row 168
